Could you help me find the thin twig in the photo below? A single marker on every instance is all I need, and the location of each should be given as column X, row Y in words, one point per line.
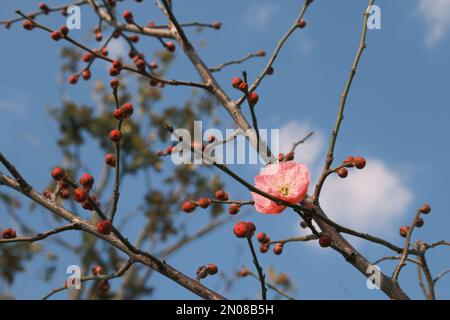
column 405, row 252
column 440, row 275
column 421, row 251
column 40, row 12
column 273, row 287
column 116, row 192
column 421, row 283
column 277, row 50
column 237, row 61
column 436, row 244
column 261, row 275
column 125, row 67
column 296, row 144
column 396, row 258
column 41, row 236
column 294, row 239
column 20, row 180
column 111, row 276
column 340, row 116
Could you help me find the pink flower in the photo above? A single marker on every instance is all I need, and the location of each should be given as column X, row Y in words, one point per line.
column 287, row 181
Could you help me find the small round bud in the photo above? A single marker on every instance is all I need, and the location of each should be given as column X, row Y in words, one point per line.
column 115, row 135
column 204, row 202
column 58, row 173
column 110, row 159
column 221, row 195
column 425, row 208
column 253, row 98
column 404, row 231
column 234, row 209
column 235, row 82
column 104, row 227
column 86, row 180
column 212, row 268
column 189, row 206
column 278, row 249
column 342, row 172
column 359, row 162
column 80, row 195
column 324, row 241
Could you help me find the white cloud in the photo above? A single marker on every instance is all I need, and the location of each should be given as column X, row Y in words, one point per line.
column 308, row 152
column 370, row 200
column 436, row 14
column 306, row 44
column 13, row 102
column 259, row 15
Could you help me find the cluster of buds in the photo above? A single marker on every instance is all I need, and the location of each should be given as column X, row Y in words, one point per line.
column 425, row 209
column 8, row 233
column 349, row 162
column 79, row 194
column 264, row 240
column 208, row 270
column 241, row 85
column 204, row 202
column 166, row 152
column 57, row 35
column 125, row 111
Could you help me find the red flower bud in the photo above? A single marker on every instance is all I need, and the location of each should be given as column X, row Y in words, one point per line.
column 115, row 135
column 189, row 206
column 80, row 195
column 87, row 181
column 58, row 173
column 104, row 227
column 221, row 195
column 110, row 159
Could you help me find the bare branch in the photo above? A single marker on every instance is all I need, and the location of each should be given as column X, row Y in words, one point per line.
column 261, row 275
column 41, row 236
column 111, row 276
column 340, row 116
column 238, row 61
column 302, row 141
column 272, row 287
column 405, row 252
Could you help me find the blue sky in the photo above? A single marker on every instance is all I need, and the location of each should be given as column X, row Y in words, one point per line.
column 397, row 117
